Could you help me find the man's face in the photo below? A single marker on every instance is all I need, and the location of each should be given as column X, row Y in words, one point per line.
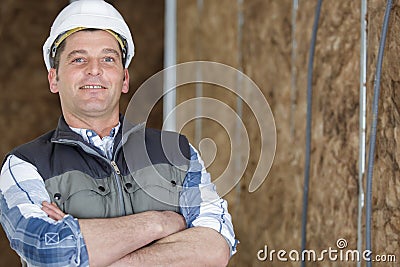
column 91, row 75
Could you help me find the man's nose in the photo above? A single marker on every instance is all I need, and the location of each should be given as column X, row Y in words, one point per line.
column 94, row 68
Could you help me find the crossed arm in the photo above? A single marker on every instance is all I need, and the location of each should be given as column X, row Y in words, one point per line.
column 127, row 241
column 150, row 238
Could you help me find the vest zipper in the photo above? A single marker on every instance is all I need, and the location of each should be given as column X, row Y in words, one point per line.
column 118, row 178
column 119, row 187
column 116, row 169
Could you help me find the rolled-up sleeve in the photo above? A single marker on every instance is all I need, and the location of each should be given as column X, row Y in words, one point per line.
column 200, row 203
column 38, row 239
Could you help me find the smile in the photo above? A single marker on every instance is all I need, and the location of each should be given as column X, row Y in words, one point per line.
column 92, row 87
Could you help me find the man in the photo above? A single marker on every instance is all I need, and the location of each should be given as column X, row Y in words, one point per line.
column 89, row 192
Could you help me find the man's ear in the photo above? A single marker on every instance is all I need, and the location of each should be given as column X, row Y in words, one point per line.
column 125, row 84
column 52, row 77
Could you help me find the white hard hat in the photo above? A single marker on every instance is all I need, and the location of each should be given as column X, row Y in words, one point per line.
column 94, row 14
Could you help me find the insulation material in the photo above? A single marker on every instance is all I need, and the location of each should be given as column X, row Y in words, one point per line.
column 272, row 215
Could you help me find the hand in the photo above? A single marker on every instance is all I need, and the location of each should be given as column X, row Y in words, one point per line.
column 52, row 211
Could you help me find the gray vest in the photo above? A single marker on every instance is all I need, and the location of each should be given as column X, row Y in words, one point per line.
column 146, row 172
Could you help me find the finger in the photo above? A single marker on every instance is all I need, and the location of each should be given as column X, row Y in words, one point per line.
column 57, row 209
column 53, row 211
column 53, row 206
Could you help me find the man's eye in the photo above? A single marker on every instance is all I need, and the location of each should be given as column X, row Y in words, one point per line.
column 78, row 60
column 109, row 59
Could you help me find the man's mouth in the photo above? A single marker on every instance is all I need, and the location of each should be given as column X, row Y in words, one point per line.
column 92, row 87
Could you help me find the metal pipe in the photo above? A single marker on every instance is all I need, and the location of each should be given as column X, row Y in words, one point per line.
column 199, row 85
column 239, row 102
column 169, row 100
column 308, row 129
column 362, row 120
column 375, row 106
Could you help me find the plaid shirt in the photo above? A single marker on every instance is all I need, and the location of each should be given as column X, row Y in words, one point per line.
column 41, row 241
